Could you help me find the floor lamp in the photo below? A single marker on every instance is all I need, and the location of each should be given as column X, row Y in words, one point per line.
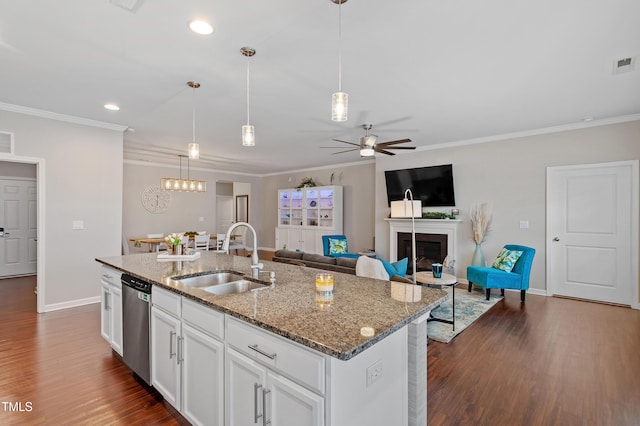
column 402, row 208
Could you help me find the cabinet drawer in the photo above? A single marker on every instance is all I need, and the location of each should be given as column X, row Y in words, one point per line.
column 204, row 318
column 111, row 276
column 300, row 364
column 166, row 300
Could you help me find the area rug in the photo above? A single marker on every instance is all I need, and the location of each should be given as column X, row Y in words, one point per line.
column 469, row 307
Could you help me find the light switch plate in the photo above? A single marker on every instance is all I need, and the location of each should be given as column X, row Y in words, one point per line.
column 77, row 224
column 524, row 224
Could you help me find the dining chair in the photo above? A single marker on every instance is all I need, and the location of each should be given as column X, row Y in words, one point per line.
column 185, row 241
column 243, row 244
column 219, row 242
column 201, row 242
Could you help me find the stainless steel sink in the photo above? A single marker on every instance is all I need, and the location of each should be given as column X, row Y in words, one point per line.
column 213, row 278
column 239, row 286
column 221, row 282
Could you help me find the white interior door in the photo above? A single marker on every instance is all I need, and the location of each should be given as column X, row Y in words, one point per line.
column 592, row 231
column 224, row 212
column 18, row 217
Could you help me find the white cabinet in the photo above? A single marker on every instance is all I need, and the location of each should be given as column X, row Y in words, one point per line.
column 305, row 215
column 255, row 394
column 165, row 364
column 187, row 357
column 271, row 380
column 111, row 307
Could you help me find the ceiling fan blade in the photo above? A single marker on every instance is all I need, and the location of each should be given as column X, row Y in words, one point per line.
column 394, row 142
column 382, row 151
column 394, row 121
column 398, row 147
column 350, row 143
column 348, row 150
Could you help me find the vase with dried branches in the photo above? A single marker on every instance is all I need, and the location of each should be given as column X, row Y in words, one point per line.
column 480, row 215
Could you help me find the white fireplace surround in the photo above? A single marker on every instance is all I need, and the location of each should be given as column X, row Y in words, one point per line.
column 448, row 227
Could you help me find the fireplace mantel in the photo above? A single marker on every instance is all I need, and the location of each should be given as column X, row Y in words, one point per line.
column 448, row 227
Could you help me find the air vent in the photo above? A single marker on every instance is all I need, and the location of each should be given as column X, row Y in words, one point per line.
column 622, row 65
column 130, row 5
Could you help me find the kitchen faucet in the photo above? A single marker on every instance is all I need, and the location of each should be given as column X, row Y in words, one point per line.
column 255, row 262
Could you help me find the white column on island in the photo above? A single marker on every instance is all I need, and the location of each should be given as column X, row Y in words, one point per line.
column 417, row 366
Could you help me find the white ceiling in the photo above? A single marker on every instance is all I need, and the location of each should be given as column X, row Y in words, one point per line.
column 432, row 71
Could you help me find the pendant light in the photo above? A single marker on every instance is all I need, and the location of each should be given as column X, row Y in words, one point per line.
column 185, row 185
column 248, row 132
column 339, row 100
column 194, row 148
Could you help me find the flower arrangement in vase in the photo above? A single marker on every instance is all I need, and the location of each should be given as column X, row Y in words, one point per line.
column 175, row 242
column 306, row 183
column 480, row 215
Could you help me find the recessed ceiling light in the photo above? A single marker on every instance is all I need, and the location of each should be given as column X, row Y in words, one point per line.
column 112, row 107
column 200, row 27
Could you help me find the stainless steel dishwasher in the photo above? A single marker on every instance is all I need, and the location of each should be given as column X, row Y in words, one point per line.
column 136, row 310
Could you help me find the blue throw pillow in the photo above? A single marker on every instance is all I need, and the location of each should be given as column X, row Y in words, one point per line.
column 337, row 246
column 396, row 268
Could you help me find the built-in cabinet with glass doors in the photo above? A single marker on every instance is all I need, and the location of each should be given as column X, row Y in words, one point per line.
column 305, row 215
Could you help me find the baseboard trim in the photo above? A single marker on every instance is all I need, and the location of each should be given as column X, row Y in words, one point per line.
column 71, row 304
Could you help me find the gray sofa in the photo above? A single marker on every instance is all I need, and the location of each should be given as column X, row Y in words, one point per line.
column 346, row 265
column 336, row 264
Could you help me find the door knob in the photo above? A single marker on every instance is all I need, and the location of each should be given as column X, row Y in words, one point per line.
column 556, row 239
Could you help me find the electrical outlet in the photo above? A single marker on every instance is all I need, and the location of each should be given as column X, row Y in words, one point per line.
column 374, row 372
column 524, row 224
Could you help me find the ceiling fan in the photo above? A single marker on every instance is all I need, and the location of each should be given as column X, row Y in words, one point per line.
column 368, row 145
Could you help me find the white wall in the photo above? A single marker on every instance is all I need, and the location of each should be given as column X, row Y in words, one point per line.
column 511, row 176
column 82, row 181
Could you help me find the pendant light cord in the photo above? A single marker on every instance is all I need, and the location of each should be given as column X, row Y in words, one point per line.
column 193, row 104
column 340, row 47
column 248, row 60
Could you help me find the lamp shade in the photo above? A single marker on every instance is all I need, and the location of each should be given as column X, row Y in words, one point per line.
column 402, row 208
column 339, row 106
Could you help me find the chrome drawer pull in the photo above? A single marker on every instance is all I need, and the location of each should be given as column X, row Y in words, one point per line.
column 261, row 352
column 265, row 422
column 256, row 416
column 171, row 353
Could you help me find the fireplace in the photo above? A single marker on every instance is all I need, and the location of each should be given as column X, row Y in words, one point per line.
column 430, row 248
column 436, row 231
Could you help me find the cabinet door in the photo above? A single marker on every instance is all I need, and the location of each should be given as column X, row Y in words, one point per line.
column 116, row 319
column 105, row 312
column 165, row 370
column 282, row 239
column 289, row 404
column 202, row 378
column 312, row 243
column 244, row 385
column 296, row 239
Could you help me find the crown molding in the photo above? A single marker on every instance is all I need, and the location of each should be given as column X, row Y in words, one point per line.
column 534, row 132
column 61, row 117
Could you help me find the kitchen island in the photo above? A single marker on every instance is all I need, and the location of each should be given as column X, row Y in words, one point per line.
column 366, row 346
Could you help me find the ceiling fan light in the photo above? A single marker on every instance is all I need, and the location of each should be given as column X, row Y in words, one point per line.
column 194, row 151
column 248, row 135
column 367, row 152
column 339, row 106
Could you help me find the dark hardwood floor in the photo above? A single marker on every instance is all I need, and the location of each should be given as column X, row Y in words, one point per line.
column 548, row 362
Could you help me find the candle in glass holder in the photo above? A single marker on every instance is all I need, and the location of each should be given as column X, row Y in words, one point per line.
column 324, row 282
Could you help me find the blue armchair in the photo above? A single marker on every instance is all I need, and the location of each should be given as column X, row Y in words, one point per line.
column 518, row 278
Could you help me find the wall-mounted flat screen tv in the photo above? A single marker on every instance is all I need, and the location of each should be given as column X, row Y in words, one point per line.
column 432, row 185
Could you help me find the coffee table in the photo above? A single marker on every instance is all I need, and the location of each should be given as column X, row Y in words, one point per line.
column 426, row 277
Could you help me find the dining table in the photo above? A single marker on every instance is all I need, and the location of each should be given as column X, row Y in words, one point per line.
column 154, row 243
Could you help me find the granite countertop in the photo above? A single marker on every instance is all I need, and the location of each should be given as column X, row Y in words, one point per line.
column 290, row 308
